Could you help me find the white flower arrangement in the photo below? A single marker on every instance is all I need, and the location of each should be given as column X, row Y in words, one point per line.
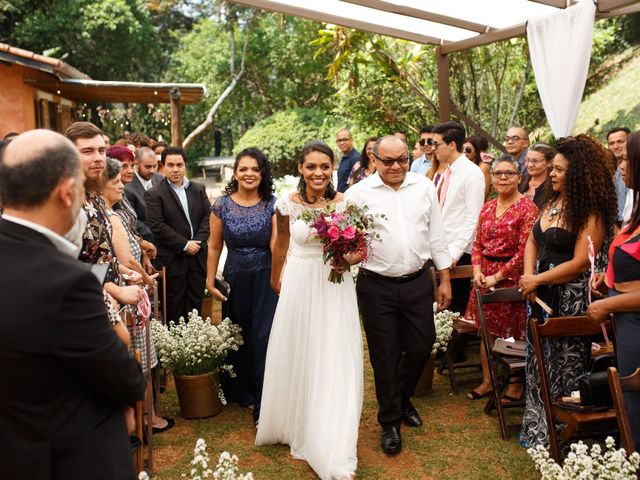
column 587, row 465
column 443, row 320
column 226, row 469
column 285, row 185
column 196, row 347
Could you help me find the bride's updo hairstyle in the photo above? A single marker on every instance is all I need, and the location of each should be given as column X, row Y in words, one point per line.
column 320, row 147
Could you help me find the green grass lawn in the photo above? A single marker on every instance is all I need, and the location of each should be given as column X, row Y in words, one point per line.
column 458, row 441
column 616, row 101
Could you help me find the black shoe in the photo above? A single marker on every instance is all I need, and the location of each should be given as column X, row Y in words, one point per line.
column 411, row 417
column 170, row 423
column 391, row 442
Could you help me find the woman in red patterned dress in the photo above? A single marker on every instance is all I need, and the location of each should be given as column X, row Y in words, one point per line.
column 497, row 259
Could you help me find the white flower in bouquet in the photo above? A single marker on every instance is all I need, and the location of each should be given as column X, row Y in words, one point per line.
column 197, row 347
column 588, row 465
column 443, row 320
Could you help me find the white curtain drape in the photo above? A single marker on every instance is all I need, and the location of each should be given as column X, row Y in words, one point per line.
column 560, row 47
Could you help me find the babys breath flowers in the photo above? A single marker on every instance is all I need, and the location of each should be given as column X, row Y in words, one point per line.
column 587, row 465
column 226, row 469
column 444, row 328
column 196, row 347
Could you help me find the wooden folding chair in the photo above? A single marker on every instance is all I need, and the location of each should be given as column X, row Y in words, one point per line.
column 576, row 421
column 140, row 433
column 461, row 329
column 619, row 385
column 160, row 314
column 510, row 366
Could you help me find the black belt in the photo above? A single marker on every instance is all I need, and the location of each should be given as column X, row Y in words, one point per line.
column 497, row 259
column 400, row 279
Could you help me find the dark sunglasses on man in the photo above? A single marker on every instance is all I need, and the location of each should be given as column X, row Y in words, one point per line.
column 389, row 162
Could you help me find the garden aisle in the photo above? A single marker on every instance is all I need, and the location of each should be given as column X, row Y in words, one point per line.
column 457, row 442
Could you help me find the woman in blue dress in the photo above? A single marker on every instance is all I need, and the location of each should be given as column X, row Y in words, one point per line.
column 243, row 220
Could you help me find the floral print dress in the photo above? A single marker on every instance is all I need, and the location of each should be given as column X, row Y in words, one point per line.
column 499, row 247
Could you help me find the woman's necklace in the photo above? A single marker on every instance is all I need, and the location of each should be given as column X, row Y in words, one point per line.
column 554, row 211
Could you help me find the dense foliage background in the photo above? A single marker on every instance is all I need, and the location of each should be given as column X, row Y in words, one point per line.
column 296, row 71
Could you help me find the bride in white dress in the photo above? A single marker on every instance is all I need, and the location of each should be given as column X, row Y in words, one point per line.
column 313, row 386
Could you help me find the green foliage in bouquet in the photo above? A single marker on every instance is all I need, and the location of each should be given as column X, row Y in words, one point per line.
column 196, row 347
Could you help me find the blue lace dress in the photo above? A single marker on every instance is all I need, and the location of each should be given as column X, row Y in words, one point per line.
column 246, row 232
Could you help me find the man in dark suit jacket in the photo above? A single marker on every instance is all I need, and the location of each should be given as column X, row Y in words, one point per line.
column 178, row 214
column 66, row 378
column 144, row 178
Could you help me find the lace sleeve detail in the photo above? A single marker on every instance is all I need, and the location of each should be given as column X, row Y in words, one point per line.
column 283, row 206
column 216, row 207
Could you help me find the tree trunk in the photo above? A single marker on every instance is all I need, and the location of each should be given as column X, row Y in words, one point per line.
column 235, row 76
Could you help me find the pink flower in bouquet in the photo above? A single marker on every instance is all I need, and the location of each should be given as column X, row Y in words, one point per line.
column 349, row 233
column 334, row 232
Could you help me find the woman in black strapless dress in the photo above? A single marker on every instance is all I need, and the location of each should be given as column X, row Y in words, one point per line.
column 581, row 204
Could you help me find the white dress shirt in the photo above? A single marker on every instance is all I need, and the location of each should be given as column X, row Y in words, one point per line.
column 412, row 231
column 146, row 184
column 462, row 205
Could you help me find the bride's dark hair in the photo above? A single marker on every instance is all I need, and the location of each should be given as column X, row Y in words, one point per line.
column 320, row 147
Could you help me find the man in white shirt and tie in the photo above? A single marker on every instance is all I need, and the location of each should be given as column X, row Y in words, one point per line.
column 395, row 290
column 461, row 196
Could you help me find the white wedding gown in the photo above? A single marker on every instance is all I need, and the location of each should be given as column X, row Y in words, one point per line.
column 313, row 386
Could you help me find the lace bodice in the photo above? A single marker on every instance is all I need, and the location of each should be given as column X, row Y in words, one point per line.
column 302, row 242
column 246, row 232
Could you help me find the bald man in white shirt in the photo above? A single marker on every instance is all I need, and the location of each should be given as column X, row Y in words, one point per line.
column 395, row 291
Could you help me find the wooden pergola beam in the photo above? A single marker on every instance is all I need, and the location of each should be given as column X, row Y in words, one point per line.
column 606, row 6
column 422, row 15
column 555, row 3
column 491, row 37
column 444, row 90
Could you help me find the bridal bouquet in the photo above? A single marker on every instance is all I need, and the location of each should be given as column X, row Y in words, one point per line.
column 341, row 233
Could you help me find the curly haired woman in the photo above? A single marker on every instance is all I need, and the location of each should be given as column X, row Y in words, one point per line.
column 581, row 204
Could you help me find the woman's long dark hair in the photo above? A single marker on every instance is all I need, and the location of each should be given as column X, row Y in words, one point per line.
column 364, row 158
column 480, row 144
column 588, row 187
column 320, row 147
column 265, row 189
column 633, row 176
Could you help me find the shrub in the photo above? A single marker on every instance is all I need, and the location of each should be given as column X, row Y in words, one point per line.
column 282, row 136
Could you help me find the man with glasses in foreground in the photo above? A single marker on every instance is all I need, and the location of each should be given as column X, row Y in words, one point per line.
column 423, row 163
column 517, row 142
column 395, row 290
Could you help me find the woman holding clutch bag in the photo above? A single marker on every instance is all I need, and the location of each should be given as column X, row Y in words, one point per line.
column 243, row 219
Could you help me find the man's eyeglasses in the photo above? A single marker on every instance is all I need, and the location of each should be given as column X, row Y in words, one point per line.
column 515, row 138
column 389, row 162
column 342, row 140
column 425, row 141
column 507, row 173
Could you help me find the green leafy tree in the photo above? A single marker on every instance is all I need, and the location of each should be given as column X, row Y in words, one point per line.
column 282, row 136
column 108, row 40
